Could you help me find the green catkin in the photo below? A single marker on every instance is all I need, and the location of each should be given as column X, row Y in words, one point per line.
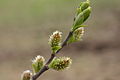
column 60, row 63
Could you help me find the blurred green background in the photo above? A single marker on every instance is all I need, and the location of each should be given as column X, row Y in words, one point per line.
column 25, row 26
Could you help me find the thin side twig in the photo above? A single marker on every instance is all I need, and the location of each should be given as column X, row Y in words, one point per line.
column 45, row 68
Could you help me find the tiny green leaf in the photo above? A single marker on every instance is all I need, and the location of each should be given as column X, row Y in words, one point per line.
column 85, row 5
column 55, row 48
column 86, row 13
column 71, row 40
column 79, row 20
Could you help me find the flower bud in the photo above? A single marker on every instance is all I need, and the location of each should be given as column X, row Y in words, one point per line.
column 60, row 63
column 78, row 33
column 37, row 63
column 26, row 75
column 76, row 36
column 55, row 41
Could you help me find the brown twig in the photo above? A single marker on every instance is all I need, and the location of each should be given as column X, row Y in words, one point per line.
column 45, row 68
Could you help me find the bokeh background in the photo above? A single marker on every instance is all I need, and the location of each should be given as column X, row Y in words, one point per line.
column 25, row 26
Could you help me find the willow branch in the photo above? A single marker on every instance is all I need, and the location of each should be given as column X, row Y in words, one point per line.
column 45, row 68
